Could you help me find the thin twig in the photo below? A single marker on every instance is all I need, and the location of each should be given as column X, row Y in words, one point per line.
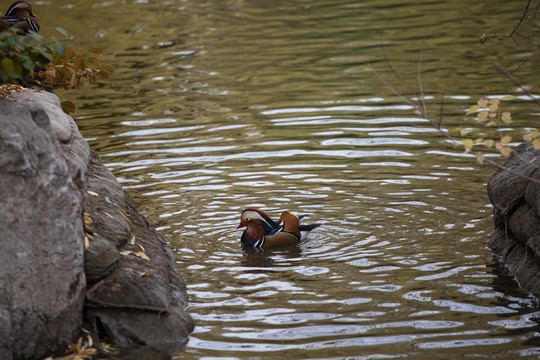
column 521, row 19
column 422, row 97
column 516, row 82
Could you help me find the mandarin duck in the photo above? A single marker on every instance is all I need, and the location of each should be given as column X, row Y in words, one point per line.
column 262, row 231
column 20, row 17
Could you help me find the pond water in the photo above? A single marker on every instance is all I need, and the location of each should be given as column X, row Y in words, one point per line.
column 220, row 105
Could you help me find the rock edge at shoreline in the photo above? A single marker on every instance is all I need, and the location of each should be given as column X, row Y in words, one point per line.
column 125, row 285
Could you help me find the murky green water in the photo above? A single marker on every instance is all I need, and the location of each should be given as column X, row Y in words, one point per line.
column 220, row 105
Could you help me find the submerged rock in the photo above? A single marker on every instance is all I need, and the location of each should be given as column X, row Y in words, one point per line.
column 115, row 273
column 516, row 199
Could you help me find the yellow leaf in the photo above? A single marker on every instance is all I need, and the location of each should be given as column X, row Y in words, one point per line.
column 527, row 137
column 141, row 247
column 88, row 352
column 141, row 255
column 494, row 101
column 464, row 132
column 506, row 117
column 536, row 143
column 146, row 273
column 482, row 116
column 482, row 103
column 125, row 252
column 480, row 158
column 493, row 106
column 87, row 219
column 467, row 143
column 505, row 151
column 472, row 109
column 86, row 242
column 492, row 115
column 121, row 213
column 534, row 134
column 506, row 139
column 491, row 123
column 132, row 241
column 489, row 143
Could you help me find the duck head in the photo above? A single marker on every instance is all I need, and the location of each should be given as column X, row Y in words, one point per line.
column 22, row 9
column 255, row 214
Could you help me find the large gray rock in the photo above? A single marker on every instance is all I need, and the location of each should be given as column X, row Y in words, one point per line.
column 42, row 196
column 132, row 293
column 136, row 296
column 515, row 195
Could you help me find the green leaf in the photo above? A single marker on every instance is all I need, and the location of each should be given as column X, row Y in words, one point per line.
column 28, row 64
column 59, row 48
column 62, row 31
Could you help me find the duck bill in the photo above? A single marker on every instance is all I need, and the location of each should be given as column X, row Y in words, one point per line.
column 240, row 226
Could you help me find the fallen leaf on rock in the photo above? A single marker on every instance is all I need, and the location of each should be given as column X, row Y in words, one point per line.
column 139, row 254
column 132, row 241
column 87, row 219
column 125, row 217
column 142, row 255
column 88, row 230
column 142, row 248
column 146, row 273
column 86, row 242
column 92, row 193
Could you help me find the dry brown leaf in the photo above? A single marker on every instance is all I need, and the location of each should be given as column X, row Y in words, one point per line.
column 482, row 103
column 146, row 273
column 480, row 158
column 489, row 143
column 132, row 241
column 87, row 219
column 506, row 117
column 121, row 213
column 482, row 116
column 88, row 230
column 141, row 255
column 505, row 151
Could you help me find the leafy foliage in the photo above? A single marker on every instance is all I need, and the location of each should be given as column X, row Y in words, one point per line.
column 18, row 56
column 48, row 65
column 491, row 117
